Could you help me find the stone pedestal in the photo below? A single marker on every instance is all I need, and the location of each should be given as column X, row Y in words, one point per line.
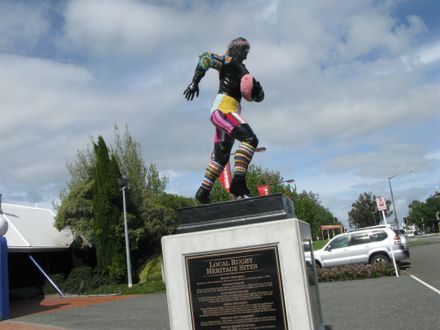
column 245, row 272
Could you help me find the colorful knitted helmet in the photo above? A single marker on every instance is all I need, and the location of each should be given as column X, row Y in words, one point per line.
column 238, row 49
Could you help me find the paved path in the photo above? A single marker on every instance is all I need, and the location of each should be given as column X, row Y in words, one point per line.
column 56, row 304
column 111, row 312
column 384, row 303
column 425, row 261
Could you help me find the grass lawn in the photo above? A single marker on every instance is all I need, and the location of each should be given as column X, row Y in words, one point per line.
column 319, row 244
column 139, row 288
column 421, row 241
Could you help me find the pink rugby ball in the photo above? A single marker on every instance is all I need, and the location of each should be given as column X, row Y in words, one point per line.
column 246, row 85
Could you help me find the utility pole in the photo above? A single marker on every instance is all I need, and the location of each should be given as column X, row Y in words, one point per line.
column 124, row 184
column 392, row 200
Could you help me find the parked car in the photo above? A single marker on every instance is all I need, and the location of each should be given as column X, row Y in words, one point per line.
column 411, row 233
column 363, row 246
column 403, row 240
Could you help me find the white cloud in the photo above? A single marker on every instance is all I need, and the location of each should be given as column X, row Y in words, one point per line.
column 386, row 160
column 434, row 155
column 133, row 28
column 430, row 54
column 333, row 76
column 21, row 25
column 104, row 27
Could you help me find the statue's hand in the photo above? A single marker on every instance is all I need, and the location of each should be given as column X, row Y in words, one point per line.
column 190, row 91
column 257, row 92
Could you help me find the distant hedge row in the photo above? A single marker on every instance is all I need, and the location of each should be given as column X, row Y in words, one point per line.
column 354, row 272
column 86, row 280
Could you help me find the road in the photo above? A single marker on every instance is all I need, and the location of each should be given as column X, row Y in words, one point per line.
column 382, row 303
column 425, row 259
column 389, row 302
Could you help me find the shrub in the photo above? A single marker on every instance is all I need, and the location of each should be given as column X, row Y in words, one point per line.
column 83, row 279
column 58, row 279
column 354, row 272
column 152, row 270
column 80, row 280
column 152, row 286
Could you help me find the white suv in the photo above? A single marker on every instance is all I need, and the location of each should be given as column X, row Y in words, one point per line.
column 363, row 246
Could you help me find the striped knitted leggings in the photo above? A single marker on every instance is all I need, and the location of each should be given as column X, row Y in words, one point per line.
column 229, row 127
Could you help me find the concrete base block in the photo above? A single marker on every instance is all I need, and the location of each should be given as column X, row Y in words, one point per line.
column 251, row 276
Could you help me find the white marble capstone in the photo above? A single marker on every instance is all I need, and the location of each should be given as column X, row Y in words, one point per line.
column 301, row 300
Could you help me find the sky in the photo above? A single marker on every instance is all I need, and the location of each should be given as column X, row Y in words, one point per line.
column 352, row 91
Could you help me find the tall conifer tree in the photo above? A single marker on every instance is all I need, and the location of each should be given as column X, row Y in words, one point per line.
column 107, row 224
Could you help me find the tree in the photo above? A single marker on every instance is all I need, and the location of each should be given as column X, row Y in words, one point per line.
column 424, row 214
column 158, row 217
column 150, row 212
column 363, row 211
column 155, row 182
column 417, row 213
column 307, row 205
column 255, row 176
column 309, row 209
column 107, row 221
column 131, row 163
column 433, row 205
column 82, row 168
column 76, row 211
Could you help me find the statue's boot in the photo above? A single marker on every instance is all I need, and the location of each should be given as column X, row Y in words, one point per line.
column 238, row 187
column 202, row 196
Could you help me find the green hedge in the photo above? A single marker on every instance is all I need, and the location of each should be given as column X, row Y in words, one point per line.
column 354, row 272
column 80, row 280
column 141, row 288
column 87, row 280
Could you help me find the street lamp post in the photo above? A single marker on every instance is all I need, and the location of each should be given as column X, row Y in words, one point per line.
column 290, row 181
column 392, row 200
column 392, row 197
column 124, row 184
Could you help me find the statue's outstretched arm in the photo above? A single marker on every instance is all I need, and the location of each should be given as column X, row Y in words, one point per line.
column 206, row 61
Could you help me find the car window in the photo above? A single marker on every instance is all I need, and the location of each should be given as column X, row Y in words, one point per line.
column 360, row 238
column 307, row 246
column 378, row 236
column 339, row 242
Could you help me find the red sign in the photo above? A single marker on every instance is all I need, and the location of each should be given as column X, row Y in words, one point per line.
column 263, row 190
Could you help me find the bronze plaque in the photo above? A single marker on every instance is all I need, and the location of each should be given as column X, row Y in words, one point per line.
column 241, row 289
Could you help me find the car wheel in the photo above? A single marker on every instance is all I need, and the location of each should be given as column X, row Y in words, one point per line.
column 379, row 258
column 318, row 265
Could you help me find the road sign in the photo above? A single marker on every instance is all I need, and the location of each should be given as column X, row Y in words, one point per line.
column 381, row 203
